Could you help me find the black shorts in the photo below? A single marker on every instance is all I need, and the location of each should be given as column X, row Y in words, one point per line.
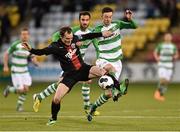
column 72, row 77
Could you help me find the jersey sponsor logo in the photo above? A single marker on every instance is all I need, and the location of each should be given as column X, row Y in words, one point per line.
column 71, row 53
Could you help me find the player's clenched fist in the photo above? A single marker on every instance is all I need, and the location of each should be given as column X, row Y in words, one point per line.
column 26, row 46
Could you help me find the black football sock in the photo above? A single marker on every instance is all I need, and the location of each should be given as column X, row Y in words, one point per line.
column 55, row 108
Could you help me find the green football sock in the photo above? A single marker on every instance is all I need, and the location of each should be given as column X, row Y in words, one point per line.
column 85, row 95
column 48, row 91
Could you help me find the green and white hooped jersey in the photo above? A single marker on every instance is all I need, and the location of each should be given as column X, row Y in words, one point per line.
column 76, row 31
column 166, row 53
column 19, row 57
column 110, row 48
column 86, row 43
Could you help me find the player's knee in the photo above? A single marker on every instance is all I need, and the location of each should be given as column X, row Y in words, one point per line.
column 109, row 68
column 108, row 94
column 89, row 82
column 163, row 81
column 56, row 100
column 25, row 89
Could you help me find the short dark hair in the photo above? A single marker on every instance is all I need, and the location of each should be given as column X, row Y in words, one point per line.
column 83, row 13
column 24, row 29
column 65, row 29
column 107, row 9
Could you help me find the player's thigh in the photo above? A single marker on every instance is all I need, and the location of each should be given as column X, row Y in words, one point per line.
column 101, row 63
column 169, row 74
column 118, row 68
column 161, row 72
column 17, row 80
column 96, row 71
column 60, row 92
column 26, row 79
column 70, row 79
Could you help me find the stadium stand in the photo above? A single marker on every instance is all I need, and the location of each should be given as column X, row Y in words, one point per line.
column 133, row 41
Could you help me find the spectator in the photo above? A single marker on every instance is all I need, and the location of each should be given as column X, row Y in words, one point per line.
column 4, row 26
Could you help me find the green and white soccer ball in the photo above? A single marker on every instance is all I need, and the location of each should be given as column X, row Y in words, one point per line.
column 105, row 82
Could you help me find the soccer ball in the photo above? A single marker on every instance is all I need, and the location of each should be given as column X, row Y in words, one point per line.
column 105, row 82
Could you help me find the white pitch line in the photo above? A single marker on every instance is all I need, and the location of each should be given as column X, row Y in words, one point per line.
column 121, row 117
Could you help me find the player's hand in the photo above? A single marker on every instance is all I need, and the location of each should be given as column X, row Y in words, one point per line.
column 35, row 61
column 26, row 46
column 79, row 43
column 128, row 14
column 5, row 69
column 107, row 33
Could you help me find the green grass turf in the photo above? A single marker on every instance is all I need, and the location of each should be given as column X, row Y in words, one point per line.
column 135, row 111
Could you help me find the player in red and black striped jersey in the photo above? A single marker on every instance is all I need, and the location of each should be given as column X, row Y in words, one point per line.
column 68, row 54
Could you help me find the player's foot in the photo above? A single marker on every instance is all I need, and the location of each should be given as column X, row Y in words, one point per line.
column 6, row 91
column 91, row 113
column 87, row 110
column 124, row 86
column 96, row 113
column 158, row 96
column 115, row 94
column 51, row 122
column 37, row 103
column 19, row 108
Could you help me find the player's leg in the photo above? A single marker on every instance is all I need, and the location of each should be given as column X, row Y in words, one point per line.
column 160, row 88
column 25, row 82
column 63, row 88
column 165, row 76
column 86, row 94
column 12, row 89
column 110, row 92
column 86, row 97
column 95, row 71
column 55, row 106
column 20, row 102
column 38, row 97
column 115, row 69
column 47, row 91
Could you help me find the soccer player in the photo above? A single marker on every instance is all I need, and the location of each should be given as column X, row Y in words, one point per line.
column 19, row 69
column 83, row 28
column 165, row 54
column 110, row 52
column 71, row 62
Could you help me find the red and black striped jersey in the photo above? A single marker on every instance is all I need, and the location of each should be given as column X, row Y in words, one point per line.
column 68, row 56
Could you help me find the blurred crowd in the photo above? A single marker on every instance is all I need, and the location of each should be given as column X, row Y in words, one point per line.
column 13, row 12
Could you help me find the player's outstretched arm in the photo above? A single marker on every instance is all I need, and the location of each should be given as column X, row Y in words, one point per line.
column 95, row 35
column 45, row 51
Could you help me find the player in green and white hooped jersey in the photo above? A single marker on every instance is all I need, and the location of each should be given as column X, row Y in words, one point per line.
column 110, row 50
column 165, row 53
column 19, row 69
column 83, row 28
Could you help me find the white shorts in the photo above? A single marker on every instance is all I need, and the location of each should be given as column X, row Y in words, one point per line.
column 117, row 65
column 165, row 73
column 21, row 79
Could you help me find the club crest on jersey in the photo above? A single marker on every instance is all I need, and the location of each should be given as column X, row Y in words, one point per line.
column 70, row 53
column 73, row 45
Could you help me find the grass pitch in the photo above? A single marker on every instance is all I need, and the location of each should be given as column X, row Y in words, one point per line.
column 136, row 111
